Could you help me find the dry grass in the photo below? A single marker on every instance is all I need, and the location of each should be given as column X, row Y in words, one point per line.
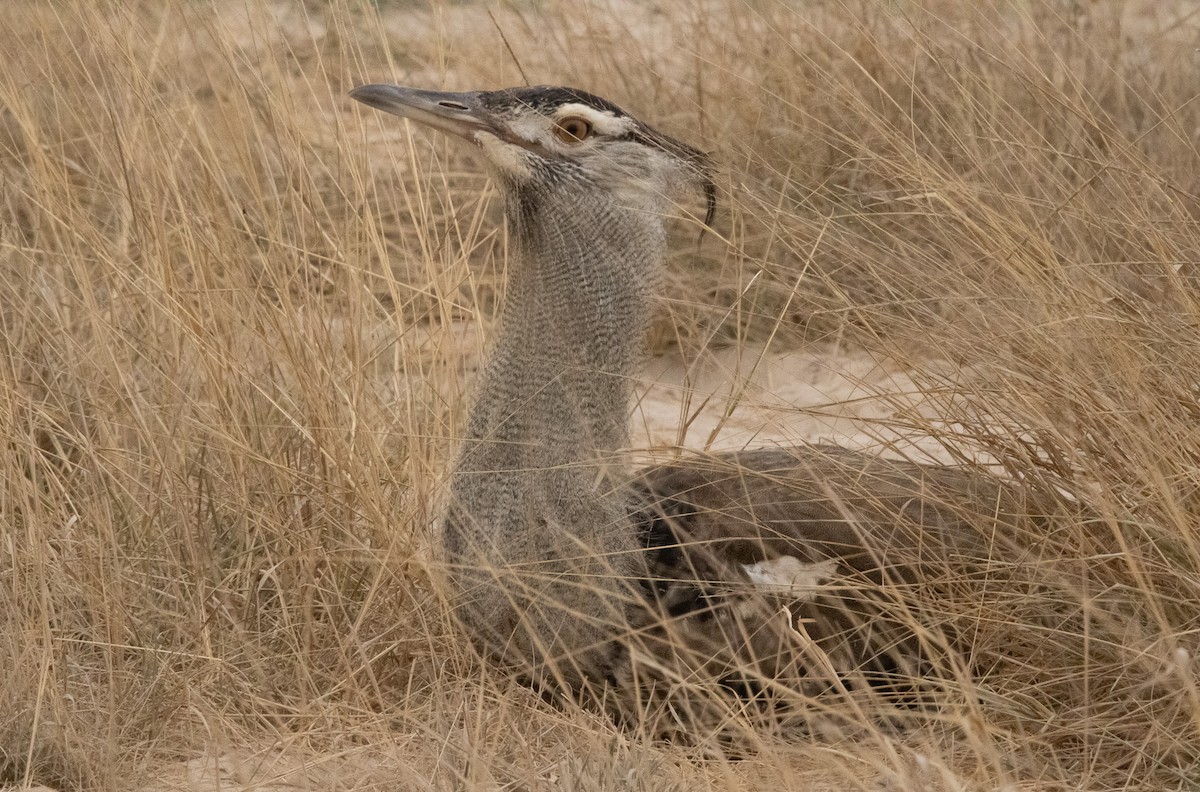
column 234, row 360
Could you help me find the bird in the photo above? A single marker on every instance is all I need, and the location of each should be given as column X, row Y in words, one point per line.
column 576, row 571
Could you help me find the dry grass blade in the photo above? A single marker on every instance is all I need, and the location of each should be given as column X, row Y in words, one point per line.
column 239, row 321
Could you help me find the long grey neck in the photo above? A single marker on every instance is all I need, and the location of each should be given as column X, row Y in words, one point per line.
column 553, row 400
column 539, row 540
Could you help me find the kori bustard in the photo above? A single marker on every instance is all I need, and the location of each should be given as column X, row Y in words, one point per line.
column 572, row 569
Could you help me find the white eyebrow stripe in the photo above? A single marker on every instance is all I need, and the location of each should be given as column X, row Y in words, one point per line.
column 603, row 121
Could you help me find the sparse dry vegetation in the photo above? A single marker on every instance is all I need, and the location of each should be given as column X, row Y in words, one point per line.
column 239, row 317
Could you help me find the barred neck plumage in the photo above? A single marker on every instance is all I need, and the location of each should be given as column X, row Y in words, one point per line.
column 580, row 293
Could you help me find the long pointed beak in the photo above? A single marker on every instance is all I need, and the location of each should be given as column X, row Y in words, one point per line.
column 459, row 114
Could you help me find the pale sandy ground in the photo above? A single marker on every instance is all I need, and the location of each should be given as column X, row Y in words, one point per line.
column 273, row 769
column 737, row 398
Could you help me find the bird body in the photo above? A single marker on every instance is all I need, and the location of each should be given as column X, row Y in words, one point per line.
column 572, row 569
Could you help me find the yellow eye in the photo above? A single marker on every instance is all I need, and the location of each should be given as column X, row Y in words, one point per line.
column 573, row 129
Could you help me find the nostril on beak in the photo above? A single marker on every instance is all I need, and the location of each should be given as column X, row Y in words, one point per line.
column 453, row 106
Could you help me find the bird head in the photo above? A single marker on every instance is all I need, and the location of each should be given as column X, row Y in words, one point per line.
column 547, row 136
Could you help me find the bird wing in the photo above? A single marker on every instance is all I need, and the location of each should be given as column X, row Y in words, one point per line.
column 813, row 562
column 822, row 502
